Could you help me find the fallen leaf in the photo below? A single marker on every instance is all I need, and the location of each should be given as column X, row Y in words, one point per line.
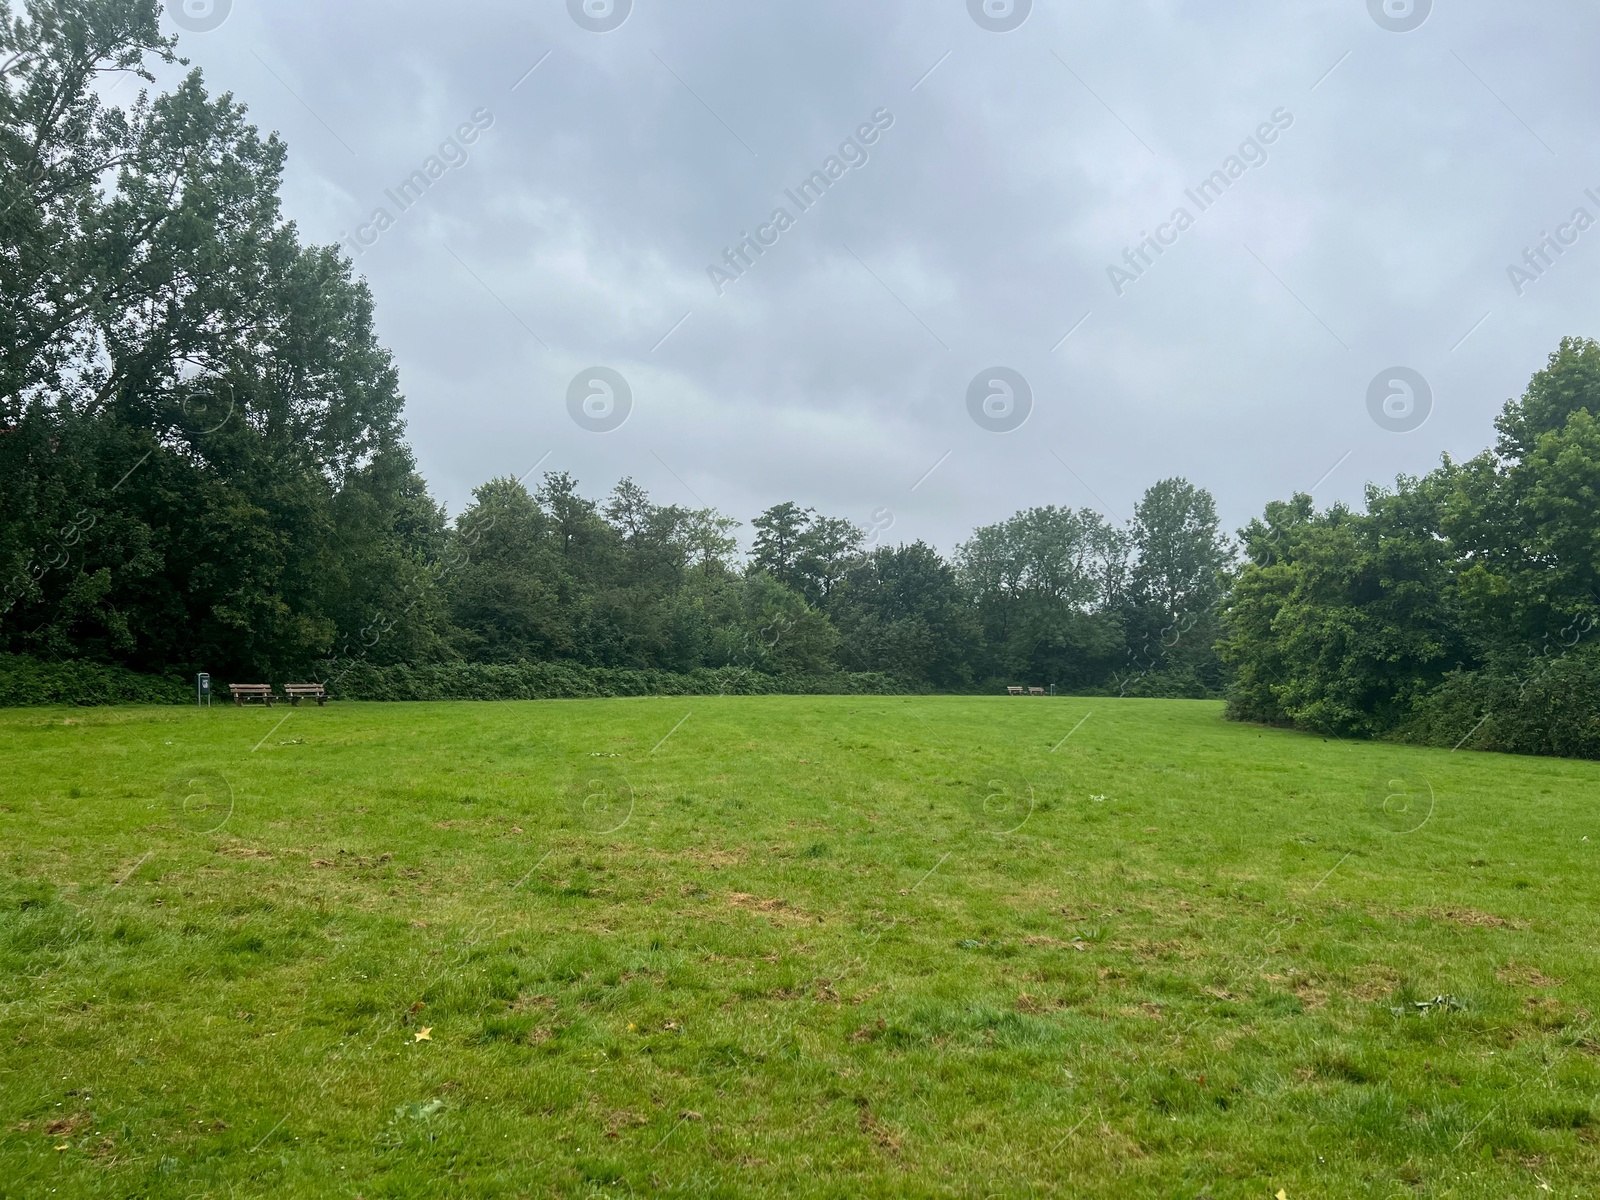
column 1282, row 1195
column 425, row 1034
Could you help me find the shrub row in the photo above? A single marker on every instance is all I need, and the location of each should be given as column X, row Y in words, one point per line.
column 28, row 681
column 560, row 681
column 1548, row 706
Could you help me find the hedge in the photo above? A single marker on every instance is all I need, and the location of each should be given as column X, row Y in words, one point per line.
column 1549, row 706
column 552, row 681
column 28, row 681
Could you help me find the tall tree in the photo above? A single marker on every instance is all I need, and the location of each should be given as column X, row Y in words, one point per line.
column 200, row 399
column 1047, row 584
column 778, row 541
column 900, row 610
column 1179, row 548
column 508, row 579
column 1175, row 585
column 1343, row 620
column 712, row 545
column 826, row 549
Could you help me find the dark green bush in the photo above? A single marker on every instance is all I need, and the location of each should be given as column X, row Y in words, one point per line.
column 29, row 681
column 557, row 681
column 1549, row 705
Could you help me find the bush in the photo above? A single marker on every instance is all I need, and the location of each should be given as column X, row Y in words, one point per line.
column 29, row 681
column 560, row 681
column 1180, row 683
column 1551, row 706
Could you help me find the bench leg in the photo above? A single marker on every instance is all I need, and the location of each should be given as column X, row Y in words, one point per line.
column 238, row 700
column 321, row 700
column 294, row 701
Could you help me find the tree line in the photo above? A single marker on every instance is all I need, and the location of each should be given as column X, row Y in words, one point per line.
column 1458, row 608
column 1050, row 596
column 203, row 466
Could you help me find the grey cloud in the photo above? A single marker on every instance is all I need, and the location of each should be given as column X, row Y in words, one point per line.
column 578, row 231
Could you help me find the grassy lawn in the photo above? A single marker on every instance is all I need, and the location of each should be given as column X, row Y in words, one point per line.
column 787, row 946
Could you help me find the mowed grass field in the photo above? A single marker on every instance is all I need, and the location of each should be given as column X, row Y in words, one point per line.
column 788, row 946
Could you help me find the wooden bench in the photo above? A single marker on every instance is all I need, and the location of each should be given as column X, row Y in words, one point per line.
column 308, row 691
column 1035, row 691
column 252, row 691
column 1016, row 691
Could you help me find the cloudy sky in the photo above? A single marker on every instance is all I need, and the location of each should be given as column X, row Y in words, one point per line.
column 1418, row 150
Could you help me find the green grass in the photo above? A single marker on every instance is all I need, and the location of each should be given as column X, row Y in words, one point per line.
column 794, row 947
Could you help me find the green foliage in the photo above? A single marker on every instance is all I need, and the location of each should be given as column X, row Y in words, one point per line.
column 1343, row 619
column 1175, row 586
column 199, row 436
column 565, row 681
column 1456, row 607
column 202, row 455
column 1569, row 383
column 1049, row 585
column 805, row 552
column 1550, row 706
column 28, row 681
column 901, row 610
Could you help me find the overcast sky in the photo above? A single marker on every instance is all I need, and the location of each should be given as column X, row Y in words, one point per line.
column 1409, row 168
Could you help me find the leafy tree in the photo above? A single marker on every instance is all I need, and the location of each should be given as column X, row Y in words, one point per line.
column 1569, row 382
column 1350, row 622
column 778, row 632
column 1175, row 585
column 778, row 541
column 901, row 611
column 1451, row 600
column 191, row 392
column 506, row 586
column 803, row 551
column 1521, row 519
column 1179, row 548
column 711, row 544
column 827, row 548
column 1047, row 584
